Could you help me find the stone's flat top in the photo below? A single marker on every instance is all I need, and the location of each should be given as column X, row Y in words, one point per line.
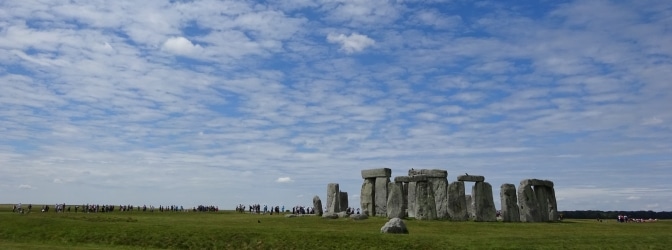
column 436, row 173
column 376, row 172
column 536, row 182
column 474, row 178
column 402, row 179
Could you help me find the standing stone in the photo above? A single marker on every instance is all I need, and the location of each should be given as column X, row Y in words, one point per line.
column 527, row 202
column 343, row 201
column 411, row 199
column 425, row 208
column 333, row 198
column 366, row 198
column 439, row 187
column 542, row 200
column 457, row 203
column 317, row 205
column 552, row 204
column 484, row 205
column 470, row 207
column 381, row 196
column 395, row 202
column 404, row 194
column 509, row 199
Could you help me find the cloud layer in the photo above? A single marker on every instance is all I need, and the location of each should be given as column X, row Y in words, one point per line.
column 211, row 102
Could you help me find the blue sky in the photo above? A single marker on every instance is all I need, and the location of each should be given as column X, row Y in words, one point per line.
column 229, row 102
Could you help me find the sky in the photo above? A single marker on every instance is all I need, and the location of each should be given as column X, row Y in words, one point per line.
column 243, row 102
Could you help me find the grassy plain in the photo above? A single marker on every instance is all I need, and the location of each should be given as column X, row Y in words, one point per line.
column 231, row 230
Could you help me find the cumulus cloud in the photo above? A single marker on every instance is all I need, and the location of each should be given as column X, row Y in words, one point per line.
column 352, row 43
column 26, row 186
column 284, row 180
column 181, row 46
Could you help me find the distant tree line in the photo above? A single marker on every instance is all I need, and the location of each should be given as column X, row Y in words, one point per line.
column 596, row 214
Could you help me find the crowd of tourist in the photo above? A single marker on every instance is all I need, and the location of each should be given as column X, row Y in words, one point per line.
column 626, row 219
column 97, row 208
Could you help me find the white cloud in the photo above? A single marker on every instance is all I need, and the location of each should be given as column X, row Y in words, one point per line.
column 284, row 180
column 181, row 46
column 352, row 43
column 652, row 121
column 25, row 186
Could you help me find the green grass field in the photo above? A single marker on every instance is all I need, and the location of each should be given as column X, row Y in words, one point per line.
column 230, row 230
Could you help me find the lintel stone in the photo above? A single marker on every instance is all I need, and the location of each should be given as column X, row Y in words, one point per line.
column 418, row 178
column 376, row 172
column 473, row 178
column 402, row 179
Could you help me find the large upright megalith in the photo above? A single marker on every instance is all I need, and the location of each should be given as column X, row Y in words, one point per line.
column 425, row 206
column 552, row 203
column 484, row 205
column 379, row 177
column 411, row 198
column 542, row 201
column 457, row 203
column 509, row 203
column 343, row 201
column 395, row 200
column 527, row 202
column 381, row 195
column 317, row 205
column 367, row 195
column 333, row 198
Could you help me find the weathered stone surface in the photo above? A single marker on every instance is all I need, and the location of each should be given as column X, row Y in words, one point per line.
column 394, row 226
column 509, row 203
column 425, row 207
column 333, row 198
column 402, row 179
column 435, row 173
column 471, row 178
column 471, row 212
column 484, row 205
column 457, row 203
column 290, row 215
column 376, row 172
column 527, row 203
column 343, row 202
column 366, row 198
column 395, row 202
column 317, row 205
column 410, row 198
column 404, row 194
column 343, row 214
column 536, row 182
column 359, row 216
column 552, row 205
column 417, row 178
column 330, row 216
column 381, row 196
column 542, row 200
column 439, row 187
